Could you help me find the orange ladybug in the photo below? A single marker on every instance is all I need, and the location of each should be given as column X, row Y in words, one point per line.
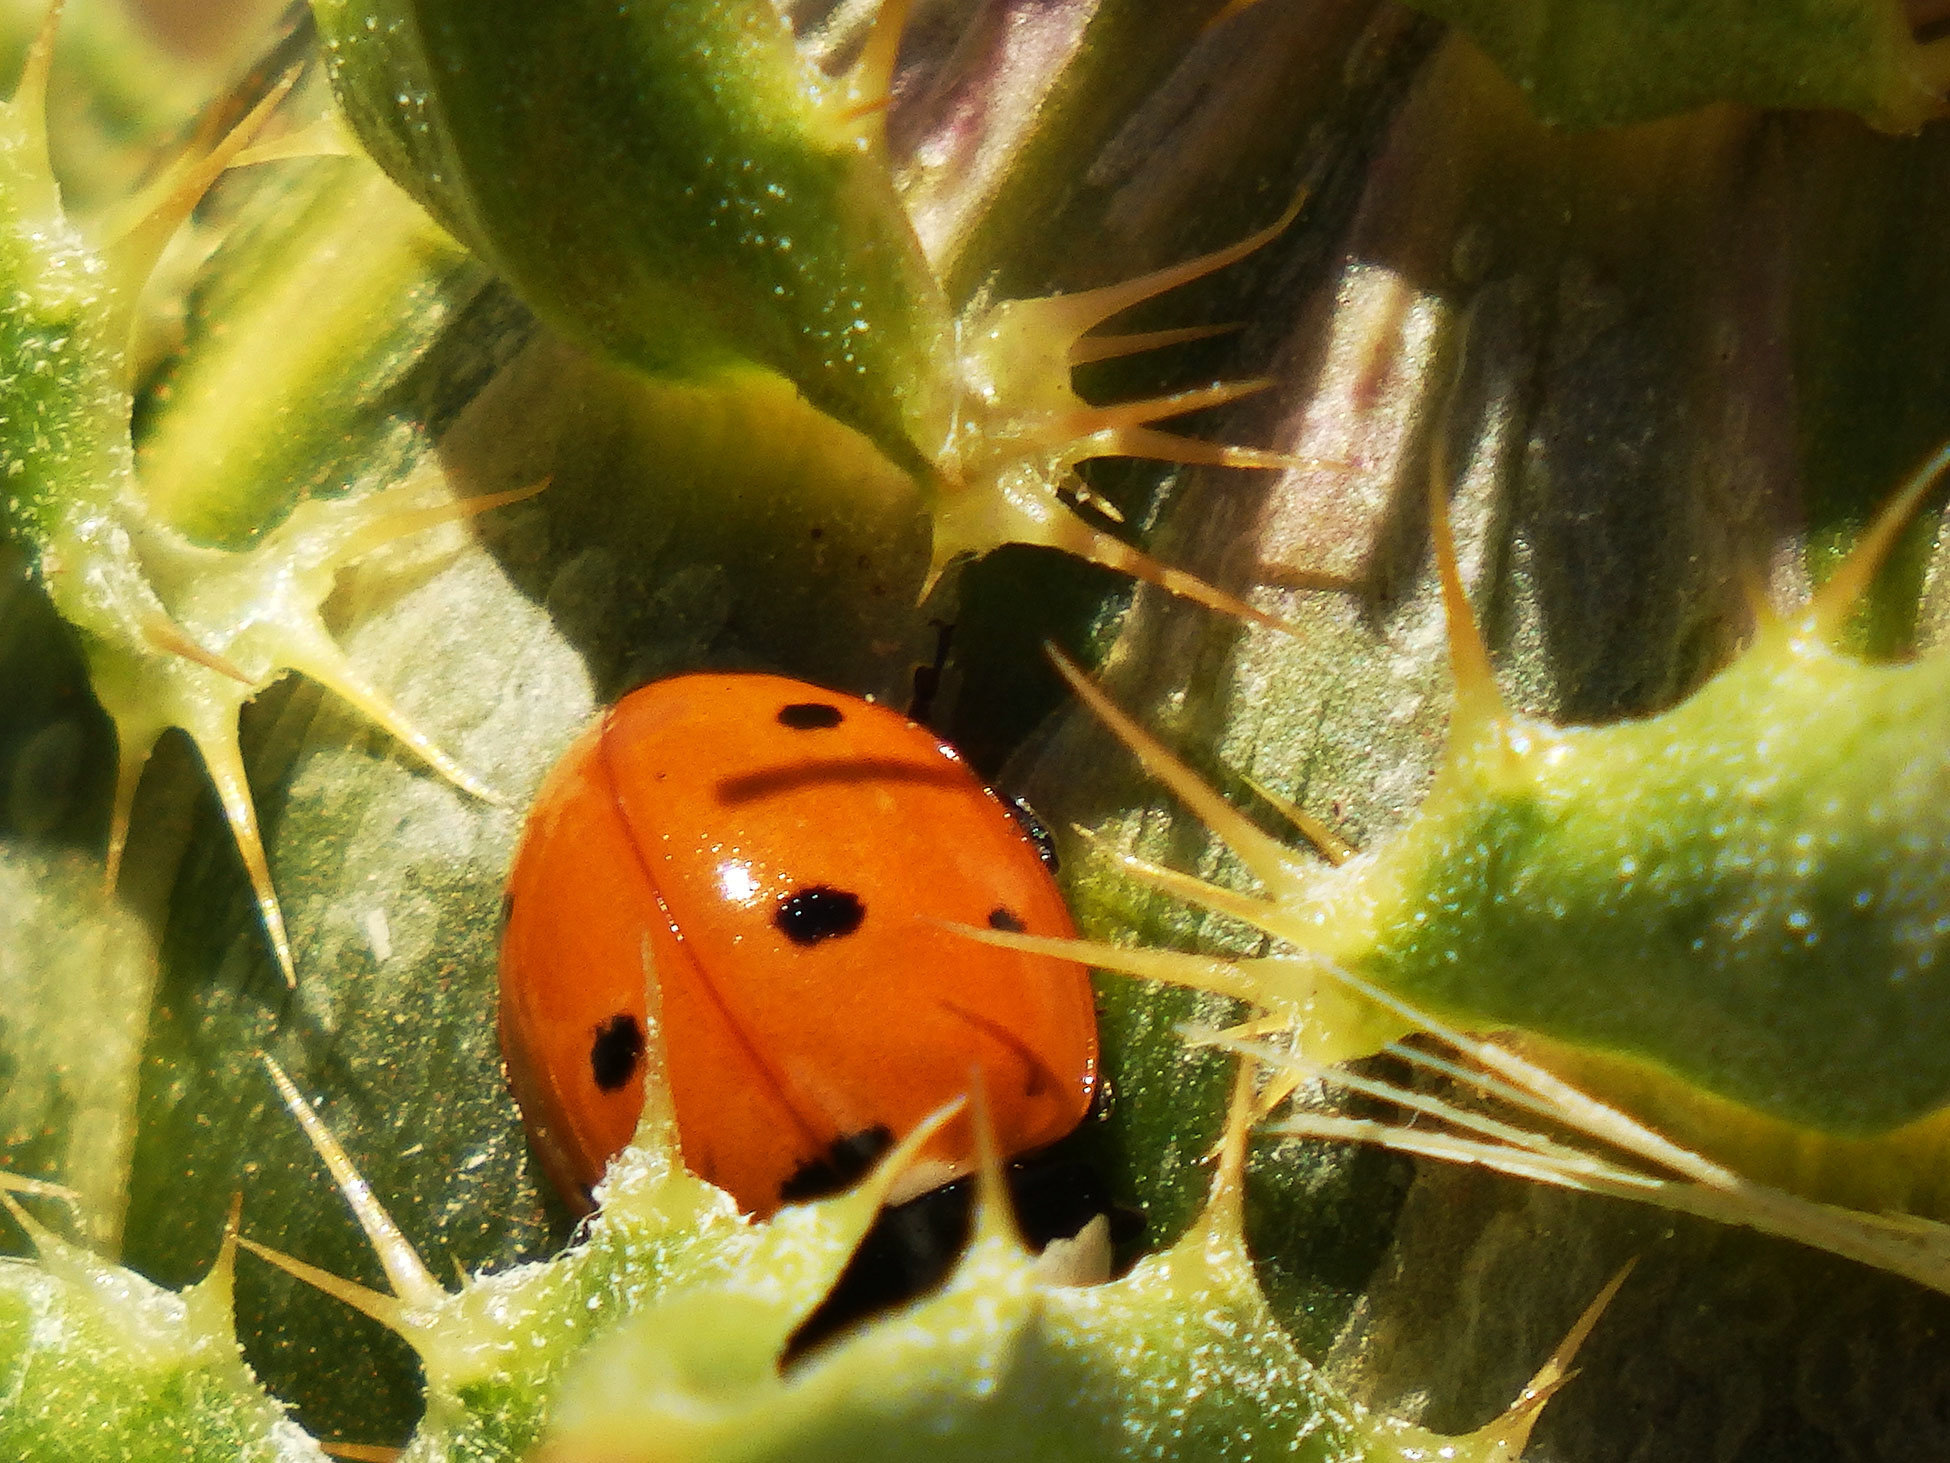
column 788, row 856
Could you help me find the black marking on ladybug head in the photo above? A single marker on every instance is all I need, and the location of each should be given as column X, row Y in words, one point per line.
column 616, row 1051
column 1036, row 831
column 810, row 716
column 843, row 1164
column 1006, row 919
column 817, row 913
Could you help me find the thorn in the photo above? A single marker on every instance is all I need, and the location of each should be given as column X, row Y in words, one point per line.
column 1557, row 1368
column 225, row 1264
column 1556, row 1099
column 1278, row 1089
column 224, row 761
column 1094, row 421
column 1760, row 605
column 166, row 635
column 412, row 1282
column 973, row 522
column 38, row 1188
column 1250, row 908
column 1478, row 702
column 37, row 1235
column 1523, row 1163
column 131, row 757
column 883, row 1186
column 656, row 1125
column 1516, row 1098
column 322, row 138
column 1082, row 1260
column 870, row 84
column 1503, row 1138
column 1224, row 1218
column 1510, row 1432
column 386, row 526
column 30, row 95
column 137, row 238
column 1269, row 860
column 1335, row 849
column 1156, row 446
column 1089, row 349
column 1259, row 1026
column 212, row 1301
column 1069, row 532
column 867, row 109
column 1283, row 1076
column 1087, row 309
column 1850, row 581
column 1173, row 967
column 1915, row 1250
column 385, row 1309
column 1090, row 498
column 995, row 1211
column 326, row 664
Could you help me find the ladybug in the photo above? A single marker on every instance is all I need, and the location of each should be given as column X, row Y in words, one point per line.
column 788, row 857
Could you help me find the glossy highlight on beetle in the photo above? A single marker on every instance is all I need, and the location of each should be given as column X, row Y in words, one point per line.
column 786, row 861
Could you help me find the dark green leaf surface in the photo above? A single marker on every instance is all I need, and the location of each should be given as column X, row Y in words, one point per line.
column 1593, row 63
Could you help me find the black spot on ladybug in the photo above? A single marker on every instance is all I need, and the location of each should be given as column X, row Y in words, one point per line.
column 1006, row 919
column 819, row 913
column 1036, row 831
column 616, row 1051
column 810, row 716
column 843, row 1164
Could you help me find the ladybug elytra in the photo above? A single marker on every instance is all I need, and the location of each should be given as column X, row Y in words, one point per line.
column 789, row 857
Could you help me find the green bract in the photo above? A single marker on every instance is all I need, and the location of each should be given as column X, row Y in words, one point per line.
column 1750, row 891
column 668, row 1333
column 1744, row 898
column 672, row 183
column 680, row 186
column 92, row 1356
column 176, row 634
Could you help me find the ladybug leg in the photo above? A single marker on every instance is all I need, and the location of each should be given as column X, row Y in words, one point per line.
column 927, row 678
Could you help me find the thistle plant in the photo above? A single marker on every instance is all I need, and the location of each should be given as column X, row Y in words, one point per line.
column 479, row 362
